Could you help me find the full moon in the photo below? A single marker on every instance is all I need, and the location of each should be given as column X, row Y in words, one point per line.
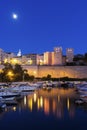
column 14, row 16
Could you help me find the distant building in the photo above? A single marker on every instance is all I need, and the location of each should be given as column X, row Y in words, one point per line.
column 5, row 57
column 31, row 59
column 69, row 55
column 40, row 59
column 48, row 58
column 79, row 59
column 64, row 60
column 1, row 56
column 9, row 57
column 53, row 58
column 25, row 60
column 16, row 60
column 57, row 56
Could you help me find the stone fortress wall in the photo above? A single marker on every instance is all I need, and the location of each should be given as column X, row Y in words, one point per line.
column 58, row 71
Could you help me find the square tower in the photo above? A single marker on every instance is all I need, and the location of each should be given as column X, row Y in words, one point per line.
column 57, row 58
column 69, row 55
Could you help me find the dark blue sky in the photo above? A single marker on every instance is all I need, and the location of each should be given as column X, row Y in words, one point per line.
column 43, row 24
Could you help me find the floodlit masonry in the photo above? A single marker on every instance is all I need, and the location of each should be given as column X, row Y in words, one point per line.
column 47, row 58
column 55, row 71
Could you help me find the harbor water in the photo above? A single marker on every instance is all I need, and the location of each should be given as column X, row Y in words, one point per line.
column 53, row 109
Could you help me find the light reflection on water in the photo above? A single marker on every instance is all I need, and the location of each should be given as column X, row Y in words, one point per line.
column 53, row 102
column 56, row 107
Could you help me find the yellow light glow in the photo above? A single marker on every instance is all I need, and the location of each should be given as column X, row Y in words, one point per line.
column 54, row 106
column 34, row 72
column 68, row 104
column 30, row 62
column 35, row 97
column 46, row 106
column 41, row 62
column 38, row 103
column 10, row 73
column 5, row 60
column 25, row 100
column 41, row 102
column 14, row 108
column 14, row 61
column 1, row 70
column 30, row 104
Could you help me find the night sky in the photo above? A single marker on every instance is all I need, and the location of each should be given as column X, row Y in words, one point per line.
column 42, row 25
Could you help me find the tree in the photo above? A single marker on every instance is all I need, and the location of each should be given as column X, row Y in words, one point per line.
column 31, row 78
column 7, row 73
column 18, row 71
column 14, row 73
column 48, row 77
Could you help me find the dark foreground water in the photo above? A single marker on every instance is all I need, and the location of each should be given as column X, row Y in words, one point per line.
column 45, row 110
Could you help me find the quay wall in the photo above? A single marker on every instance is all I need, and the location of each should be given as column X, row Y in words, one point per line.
column 57, row 71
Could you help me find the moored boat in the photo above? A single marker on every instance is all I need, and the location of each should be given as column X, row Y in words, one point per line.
column 7, row 94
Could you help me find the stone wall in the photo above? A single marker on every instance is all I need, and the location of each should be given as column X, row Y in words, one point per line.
column 32, row 70
column 58, row 71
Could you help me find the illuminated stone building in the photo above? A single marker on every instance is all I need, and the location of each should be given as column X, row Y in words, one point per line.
column 1, row 56
column 31, row 59
column 16, row 60
column 22, row 60
column 69, row 55
column 53, row 58
column 48, row 58
column 8, row 57
column 5, row 57
column 40, row 59
column 57, row 56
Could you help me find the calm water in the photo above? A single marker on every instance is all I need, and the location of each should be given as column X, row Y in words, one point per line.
column 45, row 110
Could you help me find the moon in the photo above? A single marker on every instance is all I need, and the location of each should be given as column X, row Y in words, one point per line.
column 14, row 16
